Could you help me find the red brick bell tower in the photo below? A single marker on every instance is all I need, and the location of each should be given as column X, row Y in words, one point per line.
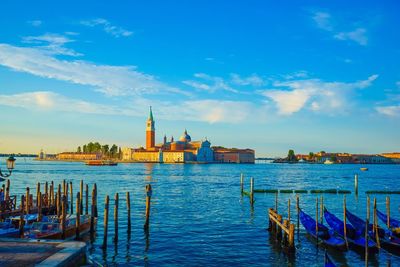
column 150, row 131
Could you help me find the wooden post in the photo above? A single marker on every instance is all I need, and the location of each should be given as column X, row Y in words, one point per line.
column 27, row 200
column 279, row 230
column 92, row 216
column 285, row 236
column 81, row 198
column 52, row 202
column 356, row 183
column 95, row 200
column 59, row 201
column 149, row 192
column 322, row 209
column 116, row 200
column 241, row 183
column 72, row 198
column 64, row 188
column 251, row 190
column 106, row 205
column 388, row 211
column 66, row 196
column 298, row 212
column 21, row 218
column 366, row 232
column 39, row 207
column 78, row 213
column 289, row 210
column 291, row 236
column 345, row 221
column 63, row 215
column 316, row 219
column 46, row 192
column 37, row 194
column 7, row 192
column 87, row 199
column 128, row 207
column 375, row 227
column 276, row 202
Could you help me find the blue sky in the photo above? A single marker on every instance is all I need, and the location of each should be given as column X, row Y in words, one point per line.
column 311, row 76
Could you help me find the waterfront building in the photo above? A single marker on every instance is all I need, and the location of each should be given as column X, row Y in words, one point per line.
column 394, row 156
column 183, row 150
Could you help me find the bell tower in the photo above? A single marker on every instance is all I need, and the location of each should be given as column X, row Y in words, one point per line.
column 150, row 131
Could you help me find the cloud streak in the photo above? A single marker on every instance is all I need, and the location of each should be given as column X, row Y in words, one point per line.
column 314, row 94
column 107, row 79
column 107, row 27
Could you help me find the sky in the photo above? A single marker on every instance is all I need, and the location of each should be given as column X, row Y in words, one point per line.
column 266, row 75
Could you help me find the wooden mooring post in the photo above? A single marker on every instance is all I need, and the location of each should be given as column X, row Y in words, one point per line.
column 375, row 226
column 7, row 192
column 72, row 198
column 86, row 199
column 128, row 208
column 356, row 184
column 92, row 216
column 105, row 235
column 21, row 218
column 78, row 214
column 298, row 213
column 241, row 183
column 27, row 198
column 345, row 222
column 388, row 211
column 95, row 200
column 252, row 191
column 116, row 200
column 276, row 227
column 37, row 194
column 39, row 207
column 149, row 192
column 81, row 198
column 46, row 194
column 63, row 215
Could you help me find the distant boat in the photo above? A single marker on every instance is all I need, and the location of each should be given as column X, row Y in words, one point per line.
column 328, row 161
column 101, row 163
column 364, row 169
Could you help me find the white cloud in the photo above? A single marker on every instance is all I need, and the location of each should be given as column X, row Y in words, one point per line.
column 35, row 23
column 107, row 27
column 323, row 20
column 391, row 111
column 207, row 110
column 110, row 80
column 51, row 43
column 326, row 97
column 253, row 80
column 358, row 35
column 210, row 84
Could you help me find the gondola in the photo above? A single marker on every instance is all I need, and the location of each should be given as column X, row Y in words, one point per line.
column 393, row 223
column 355, row 238
column 323, row 235
column 328, row 262
column 387, row 240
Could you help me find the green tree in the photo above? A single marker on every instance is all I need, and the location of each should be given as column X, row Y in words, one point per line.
column 84, row 148
column 311, row 155
column 291, row 156
column 105, row 149
column 79, row 150
column 113, row 150
column 90, row 147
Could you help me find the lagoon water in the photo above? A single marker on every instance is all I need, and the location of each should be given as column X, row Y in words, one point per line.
column 199, row 218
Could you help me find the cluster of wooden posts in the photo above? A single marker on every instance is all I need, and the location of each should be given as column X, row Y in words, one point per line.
column 283, row 230
column 149, row 192
column 58, row 200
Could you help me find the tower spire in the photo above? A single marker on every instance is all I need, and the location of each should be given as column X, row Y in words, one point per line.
column 151, row 114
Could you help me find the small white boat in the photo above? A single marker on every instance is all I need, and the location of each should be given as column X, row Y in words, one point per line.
column 328, row 162
column 364, row 169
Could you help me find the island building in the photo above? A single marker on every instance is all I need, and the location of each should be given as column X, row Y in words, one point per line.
column 183, row 150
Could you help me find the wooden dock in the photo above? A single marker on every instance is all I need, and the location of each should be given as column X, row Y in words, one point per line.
column 45, row 253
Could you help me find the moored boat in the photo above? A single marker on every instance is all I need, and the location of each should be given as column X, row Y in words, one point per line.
column 323, row 234
column 364, row 169
column 393, row 223
column 388, row 241
column 101, row 163
column 355, row 238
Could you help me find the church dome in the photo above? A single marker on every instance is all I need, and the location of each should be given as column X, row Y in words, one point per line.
column 185, row 137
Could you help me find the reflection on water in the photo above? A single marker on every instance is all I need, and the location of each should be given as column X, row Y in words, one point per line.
column 199, row 218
